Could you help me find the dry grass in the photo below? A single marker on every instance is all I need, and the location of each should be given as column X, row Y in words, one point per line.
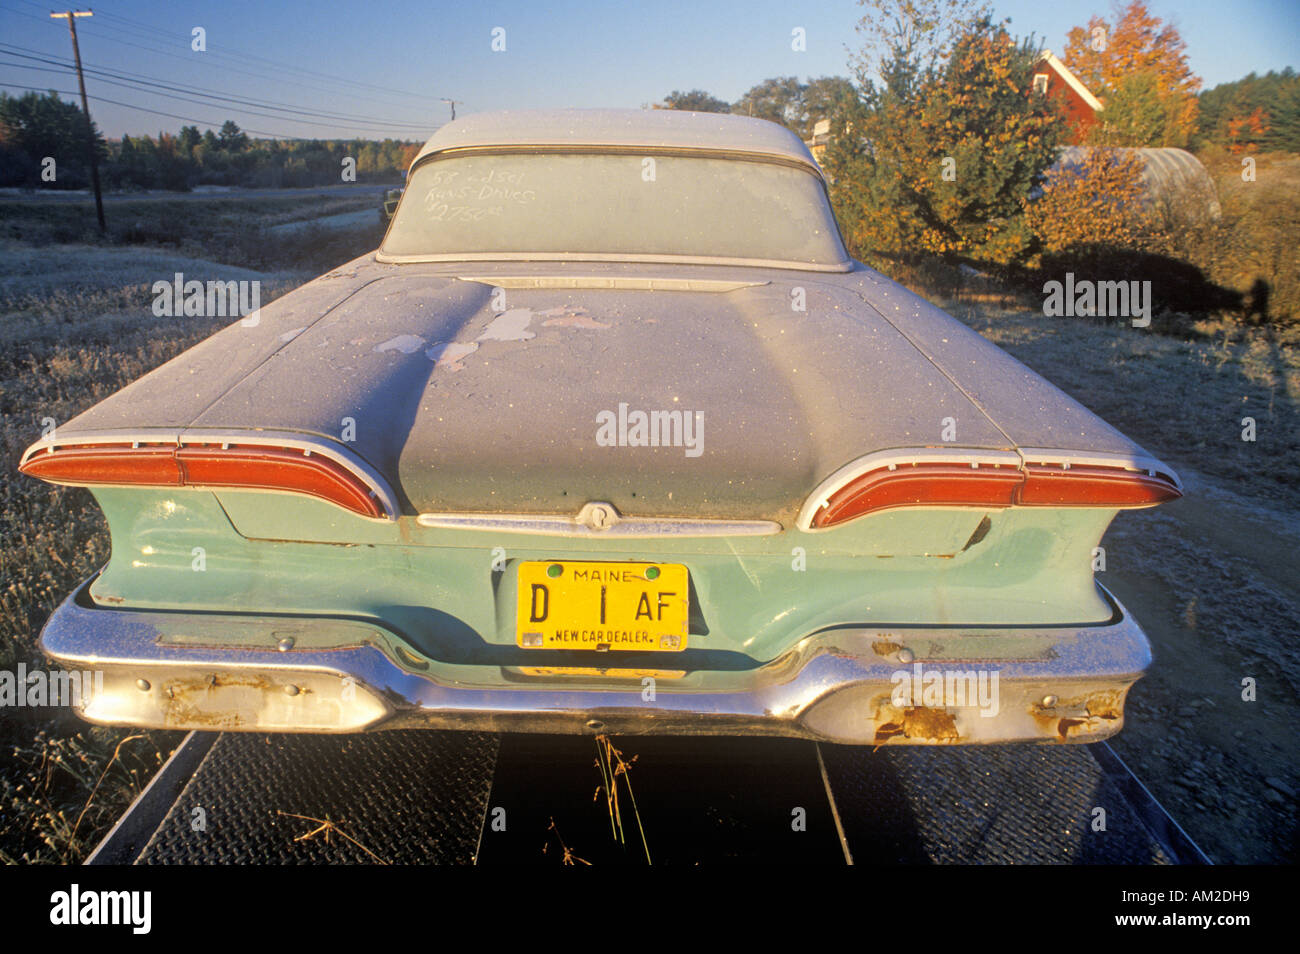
column 76, row 326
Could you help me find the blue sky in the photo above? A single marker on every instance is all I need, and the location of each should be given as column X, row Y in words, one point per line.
column 380, row 69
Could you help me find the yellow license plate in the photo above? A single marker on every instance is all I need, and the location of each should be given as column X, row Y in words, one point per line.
column 564, row 604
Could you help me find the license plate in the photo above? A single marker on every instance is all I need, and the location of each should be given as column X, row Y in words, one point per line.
column 602, row 606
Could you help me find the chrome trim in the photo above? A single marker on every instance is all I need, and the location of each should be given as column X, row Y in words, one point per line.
column 585, row 524
column 218, row 671
column 387, row 259
column 895, row 457
column 618, row 282
column 205, row 435
column 1143, row 462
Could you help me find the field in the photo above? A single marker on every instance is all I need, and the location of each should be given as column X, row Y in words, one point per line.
column 1212, row 577
column 76, row 325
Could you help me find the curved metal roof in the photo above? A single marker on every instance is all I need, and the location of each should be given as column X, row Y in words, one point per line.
column 1168, row 175
column 628, row 128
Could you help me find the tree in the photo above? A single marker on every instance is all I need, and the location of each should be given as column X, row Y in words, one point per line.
column 1135, row 114
column 697, row 100
column 38, row 126
column 232, row 138
column 1105, row 56
column 821, row 98
column 1092, row 203
column 1231, row 108
column 188, row 139
column 778, row 99
column 943, row 156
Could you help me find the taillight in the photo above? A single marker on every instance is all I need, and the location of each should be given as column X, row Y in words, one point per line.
column 249, row 466
column 1090, row 486
column 994, row 485
column 921, row 485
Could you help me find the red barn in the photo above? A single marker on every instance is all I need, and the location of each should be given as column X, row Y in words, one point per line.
column 1053, row 78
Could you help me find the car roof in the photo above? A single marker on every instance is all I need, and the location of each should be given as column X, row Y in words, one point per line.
column 648, row 128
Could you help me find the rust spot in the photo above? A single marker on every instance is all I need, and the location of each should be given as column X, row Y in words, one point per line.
column 1106, row 705
column 1065, row 725
column 109, row 599
column 923, row 723
column 182, row 704
column 887, row 731
column 885, row 648
column 980, row 533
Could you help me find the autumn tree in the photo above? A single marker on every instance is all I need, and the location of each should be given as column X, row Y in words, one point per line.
column 1264, row 108
column 1109, row 56
column 1246, row 132
column 1094, row 200
column 942, row 153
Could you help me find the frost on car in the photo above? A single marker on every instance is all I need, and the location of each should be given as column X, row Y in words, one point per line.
column 612, row 435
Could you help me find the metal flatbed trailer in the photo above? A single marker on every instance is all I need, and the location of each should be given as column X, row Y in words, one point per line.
column 426, row 797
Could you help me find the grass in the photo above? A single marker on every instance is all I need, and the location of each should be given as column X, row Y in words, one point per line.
column 75, row 326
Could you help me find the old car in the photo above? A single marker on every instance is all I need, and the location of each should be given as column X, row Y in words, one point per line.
column 610, row 435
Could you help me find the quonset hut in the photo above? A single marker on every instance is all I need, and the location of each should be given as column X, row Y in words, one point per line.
column 1174, row 180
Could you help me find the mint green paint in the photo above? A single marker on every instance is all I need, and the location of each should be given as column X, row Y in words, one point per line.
column 436, row 588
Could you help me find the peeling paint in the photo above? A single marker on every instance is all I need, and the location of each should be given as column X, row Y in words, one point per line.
column 407, row 344
column 450, row 354
column 510, row 325
column 575, row 317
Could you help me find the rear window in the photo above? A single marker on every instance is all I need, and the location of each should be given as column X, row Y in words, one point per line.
column 619, row 207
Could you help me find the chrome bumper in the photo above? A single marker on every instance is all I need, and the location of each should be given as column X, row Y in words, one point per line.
column 856, row 685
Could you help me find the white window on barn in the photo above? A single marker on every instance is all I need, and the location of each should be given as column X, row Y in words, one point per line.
column 1040, row 83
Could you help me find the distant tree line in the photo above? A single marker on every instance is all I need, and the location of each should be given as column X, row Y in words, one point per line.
column 35, row 127
column 1256, row 112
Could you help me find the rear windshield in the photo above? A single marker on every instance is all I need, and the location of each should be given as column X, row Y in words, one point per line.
column 618, row 207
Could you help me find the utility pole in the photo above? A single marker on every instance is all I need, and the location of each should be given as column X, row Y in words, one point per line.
column 71, row 17
column 453, row 103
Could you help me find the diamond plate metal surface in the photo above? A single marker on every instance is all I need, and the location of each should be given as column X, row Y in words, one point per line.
column 1005, row 804
column 402, row 797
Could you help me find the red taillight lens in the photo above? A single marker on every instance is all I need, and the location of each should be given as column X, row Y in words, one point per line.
column 113, row 464
column 994, row 486
column 206, row 465
column 921, row 485
column 1088, row 486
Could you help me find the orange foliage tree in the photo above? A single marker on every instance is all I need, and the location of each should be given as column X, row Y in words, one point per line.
column 1245, row 132
column 1096, row 201
column 1107, row 57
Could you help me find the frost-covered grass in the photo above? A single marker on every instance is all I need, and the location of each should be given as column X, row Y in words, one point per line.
column 75, row 326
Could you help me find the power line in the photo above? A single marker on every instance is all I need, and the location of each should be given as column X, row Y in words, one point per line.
column 155, row 34
column 156, row 112
column 164, row 34
column 134, row 81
